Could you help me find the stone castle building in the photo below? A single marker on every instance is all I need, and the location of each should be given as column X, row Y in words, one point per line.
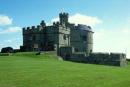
column 71, row 42
column 60, row 34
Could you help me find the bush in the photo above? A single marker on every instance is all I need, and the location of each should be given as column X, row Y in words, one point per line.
column 7, row 50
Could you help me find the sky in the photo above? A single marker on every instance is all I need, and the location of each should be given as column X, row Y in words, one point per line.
column 109, row 19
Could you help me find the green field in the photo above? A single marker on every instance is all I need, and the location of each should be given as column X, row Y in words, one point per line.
column 46, row 70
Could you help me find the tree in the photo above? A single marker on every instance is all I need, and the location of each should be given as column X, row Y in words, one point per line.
column 7, row 50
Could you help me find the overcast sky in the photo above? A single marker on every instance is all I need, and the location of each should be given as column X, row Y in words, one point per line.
column 110, row 20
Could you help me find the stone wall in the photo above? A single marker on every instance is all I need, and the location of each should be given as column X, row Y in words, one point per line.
column 78, row 57
column 113, row 59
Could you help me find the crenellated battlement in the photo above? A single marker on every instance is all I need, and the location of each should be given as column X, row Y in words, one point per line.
column 64, row 18
column 34, row 29
column 63, row 14
column 56, row 24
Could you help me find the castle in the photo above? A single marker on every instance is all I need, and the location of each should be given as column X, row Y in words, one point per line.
column 71, row 42
column 60, row 34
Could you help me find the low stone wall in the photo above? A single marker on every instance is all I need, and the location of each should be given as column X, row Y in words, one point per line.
column 78, row 57
column 114, row 59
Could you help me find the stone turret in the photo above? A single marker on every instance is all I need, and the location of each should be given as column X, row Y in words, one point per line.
column 63, row 18
column 43, row 24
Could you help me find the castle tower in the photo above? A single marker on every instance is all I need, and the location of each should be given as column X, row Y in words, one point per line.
column 63, row 18
column 89, row 42
column 43, row 24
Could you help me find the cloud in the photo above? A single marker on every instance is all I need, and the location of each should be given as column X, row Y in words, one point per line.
column 112, row 40
column 5, row 20
column 82, row 19
column 14, row 42
column 9, row 41
column 13, row 29
column 10, row 30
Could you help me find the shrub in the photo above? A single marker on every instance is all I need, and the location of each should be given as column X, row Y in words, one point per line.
column 7, row 50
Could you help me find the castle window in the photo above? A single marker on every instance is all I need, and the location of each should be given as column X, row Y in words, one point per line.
column 30, row 38
column 64, row 37
column 91, row 51
column 76, row 50
column 84, row 38
column 34, row 38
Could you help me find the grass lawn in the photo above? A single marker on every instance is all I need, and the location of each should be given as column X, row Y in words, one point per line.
column 46, row 70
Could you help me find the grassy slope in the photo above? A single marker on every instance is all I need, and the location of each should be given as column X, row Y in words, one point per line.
column 29, row 70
